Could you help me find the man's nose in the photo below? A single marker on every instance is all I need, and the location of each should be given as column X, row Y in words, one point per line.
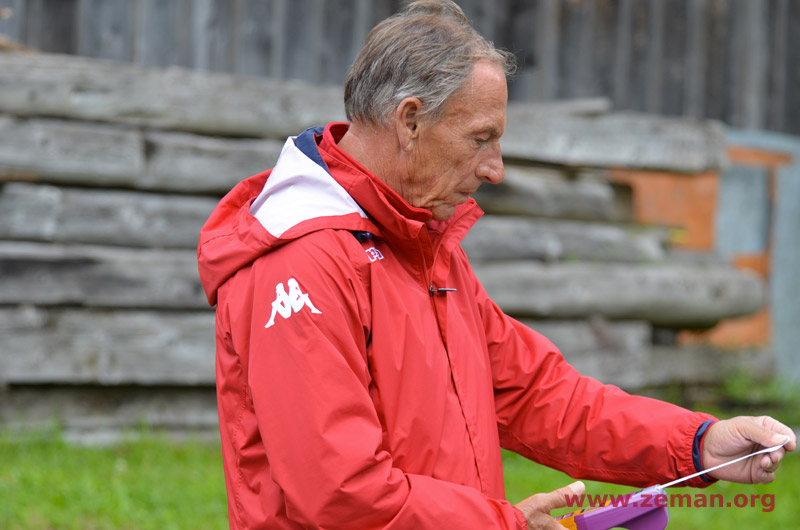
column 491, row 170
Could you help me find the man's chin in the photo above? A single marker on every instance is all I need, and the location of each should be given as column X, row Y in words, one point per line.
column 443, row 213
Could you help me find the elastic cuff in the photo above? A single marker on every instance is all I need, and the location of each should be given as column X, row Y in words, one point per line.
column 521, row 521
column 697, row 448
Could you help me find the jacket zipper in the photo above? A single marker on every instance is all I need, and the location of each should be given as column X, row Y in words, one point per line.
column 431, row 289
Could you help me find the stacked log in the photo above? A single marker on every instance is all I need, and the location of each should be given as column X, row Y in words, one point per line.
column 108, row 171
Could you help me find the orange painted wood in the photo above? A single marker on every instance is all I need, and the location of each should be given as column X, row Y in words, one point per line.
column 687, row 202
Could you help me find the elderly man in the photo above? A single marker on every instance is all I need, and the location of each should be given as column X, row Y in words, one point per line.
column 365, row 379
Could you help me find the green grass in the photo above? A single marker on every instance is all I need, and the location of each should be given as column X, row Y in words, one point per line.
column 149, row 483
column 153, row 483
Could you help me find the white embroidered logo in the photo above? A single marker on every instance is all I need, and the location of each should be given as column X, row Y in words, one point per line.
column 286, row 304
column 373, row 254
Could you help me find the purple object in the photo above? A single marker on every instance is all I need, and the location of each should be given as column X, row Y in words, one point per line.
column 641, row 510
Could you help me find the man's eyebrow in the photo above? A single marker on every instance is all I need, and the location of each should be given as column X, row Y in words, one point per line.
column 491, row 131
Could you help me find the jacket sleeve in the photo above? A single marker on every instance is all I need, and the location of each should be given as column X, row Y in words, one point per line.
column 551, row 414
column 309, row 380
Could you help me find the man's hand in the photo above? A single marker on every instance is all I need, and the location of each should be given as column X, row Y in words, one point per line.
column 730, row 439
column 536, row 508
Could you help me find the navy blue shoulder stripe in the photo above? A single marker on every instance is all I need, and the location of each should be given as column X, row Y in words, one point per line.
column 306, row 143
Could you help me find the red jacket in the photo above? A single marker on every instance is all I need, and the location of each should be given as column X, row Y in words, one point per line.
column 353, row 394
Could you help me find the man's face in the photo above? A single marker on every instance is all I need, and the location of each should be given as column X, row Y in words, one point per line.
column 453, row 156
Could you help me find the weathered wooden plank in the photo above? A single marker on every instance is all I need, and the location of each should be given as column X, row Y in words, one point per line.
column 79, row 153
column 362, row 23
column 694, row 88
column 104, row 155
column 101, row 155
column 655, row 57
column 50, row 25
column 620, row 139
column 103, row 414
column 662, row 365
column 198, row 164
column 622, row 354
column 92, row 276
column 212, row 32
column 483, row 15
column 279, row 35
column 718, row 59
column 778, row 31
column 305, row 27
column 622, row 55
column 106, row 347
column 638, row 70
column 751, row 70
column 254, row 40
column 577, row 53
column 518, row 31
column 674, row 52
column 68, row 346
column 496, row 238
column 177, row 350
column 532, row 112
column 95, row 155
column 104, row 29
column 603, row 47
column 549, row 193
column 157, row 32
column 383, row 9
column 92, row 89
column 547, row 81
column 338, row 47
column 55, row 214
column 60, row 214
column 792, row 112
column 665, row 295
column 77, row 88
column 595, row 336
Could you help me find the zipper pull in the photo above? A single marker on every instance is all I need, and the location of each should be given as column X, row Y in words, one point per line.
column 432, row 290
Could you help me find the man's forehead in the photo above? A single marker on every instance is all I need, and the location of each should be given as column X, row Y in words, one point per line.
column 480, row 114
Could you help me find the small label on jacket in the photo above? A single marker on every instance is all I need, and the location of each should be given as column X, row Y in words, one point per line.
column 373, row 254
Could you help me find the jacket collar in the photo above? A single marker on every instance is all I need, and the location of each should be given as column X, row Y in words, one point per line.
column 393, row 214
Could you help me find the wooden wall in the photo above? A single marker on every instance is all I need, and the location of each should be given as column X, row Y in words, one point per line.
column 737, row 61
column 108, row 170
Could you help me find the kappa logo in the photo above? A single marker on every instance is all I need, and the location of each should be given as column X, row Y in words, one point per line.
column 286, row 304
column 373, row 254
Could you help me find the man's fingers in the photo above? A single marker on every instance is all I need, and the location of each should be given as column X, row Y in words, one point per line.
column 558, row 498
column 742, row 435
column 762, row 435
column 781, row 433
column 536, row 508
column 771, row 461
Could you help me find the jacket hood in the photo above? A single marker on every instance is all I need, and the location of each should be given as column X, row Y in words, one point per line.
column 262, row 212
column 309, row 189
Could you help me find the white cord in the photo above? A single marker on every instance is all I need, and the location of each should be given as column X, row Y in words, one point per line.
column 767, row 450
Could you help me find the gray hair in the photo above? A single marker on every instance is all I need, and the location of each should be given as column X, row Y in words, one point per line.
column 425, row 51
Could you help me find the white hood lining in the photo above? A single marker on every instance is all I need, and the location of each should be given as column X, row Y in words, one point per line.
column 299, row 189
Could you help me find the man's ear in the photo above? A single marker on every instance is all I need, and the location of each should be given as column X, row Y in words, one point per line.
column 407, row 118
